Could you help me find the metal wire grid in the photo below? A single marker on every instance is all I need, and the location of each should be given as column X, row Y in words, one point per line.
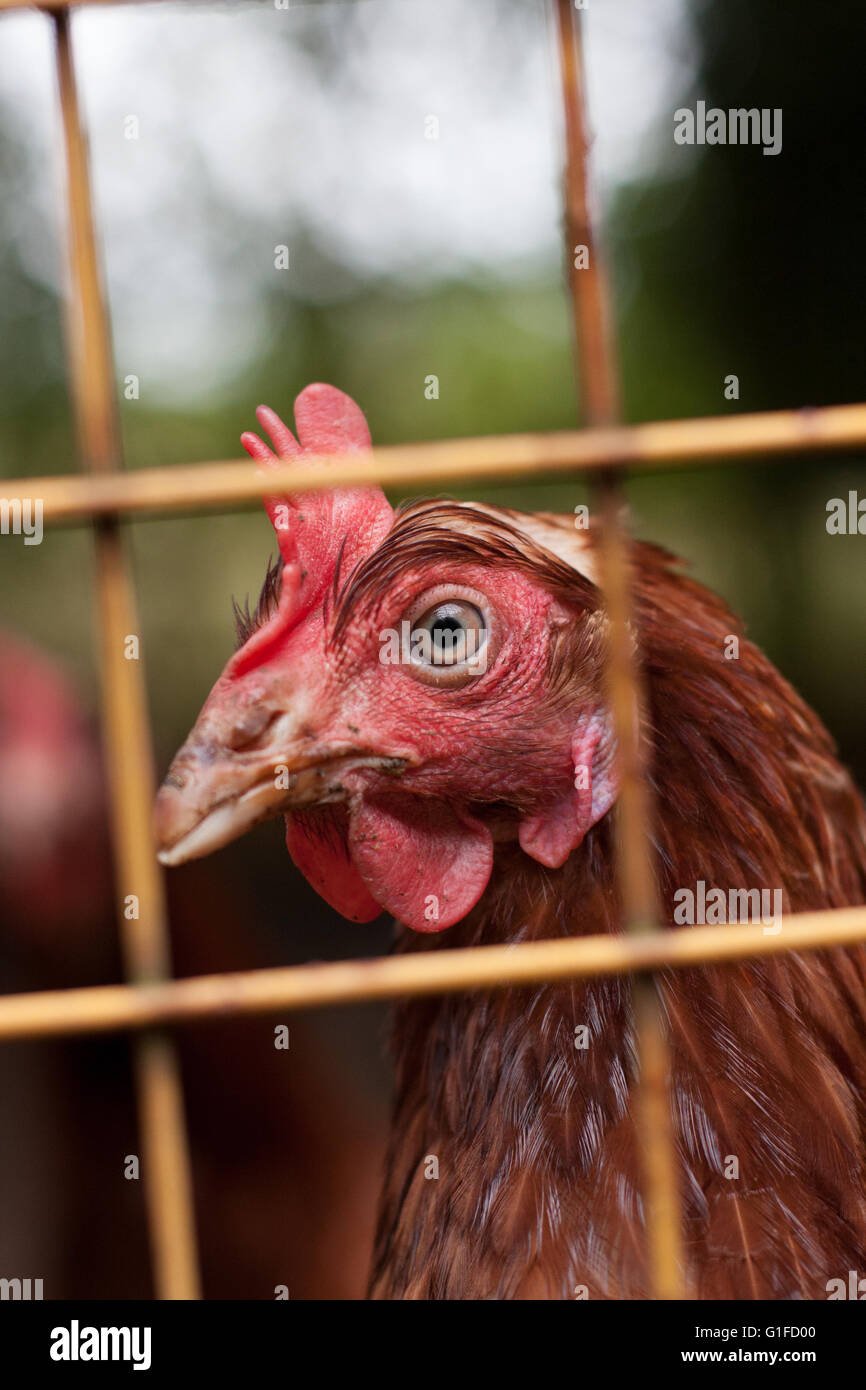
column 151, row 1002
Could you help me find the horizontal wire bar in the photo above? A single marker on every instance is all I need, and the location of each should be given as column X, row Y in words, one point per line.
column 655, row 446
column 49, row 5
column 55, row 5
column 111, row 1008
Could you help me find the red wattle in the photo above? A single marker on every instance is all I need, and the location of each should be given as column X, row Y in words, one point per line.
column 316, row 840
column 424, row 862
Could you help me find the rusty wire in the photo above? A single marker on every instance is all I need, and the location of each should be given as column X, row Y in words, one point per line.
column 126, row 731
column 598, row 388
column 659, row 445
column 152, row 1001
column 109, row 1008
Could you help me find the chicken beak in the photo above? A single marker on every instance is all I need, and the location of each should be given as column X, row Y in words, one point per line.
column 207, row 800
column 216, row 790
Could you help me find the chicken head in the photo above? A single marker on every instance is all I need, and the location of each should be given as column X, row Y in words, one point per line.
column 412, row 688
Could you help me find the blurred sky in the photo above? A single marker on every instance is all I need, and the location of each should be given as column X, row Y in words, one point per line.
column 306, row 127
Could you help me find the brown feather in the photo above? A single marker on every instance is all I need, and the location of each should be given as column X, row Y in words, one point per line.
column 539, row 1178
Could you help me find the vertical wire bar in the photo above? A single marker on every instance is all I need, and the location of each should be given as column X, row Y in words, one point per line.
column 599, row 396
column 145, row 940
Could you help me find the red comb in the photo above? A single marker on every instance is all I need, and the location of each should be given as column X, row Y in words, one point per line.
column 315, row 528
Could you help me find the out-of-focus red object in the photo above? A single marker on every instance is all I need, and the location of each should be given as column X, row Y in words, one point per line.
column 286, row 1156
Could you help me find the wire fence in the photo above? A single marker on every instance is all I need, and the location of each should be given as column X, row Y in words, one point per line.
column 152, row 1003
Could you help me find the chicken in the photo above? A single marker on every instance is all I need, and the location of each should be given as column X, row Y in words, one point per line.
column 422, row 695
column 54, row 853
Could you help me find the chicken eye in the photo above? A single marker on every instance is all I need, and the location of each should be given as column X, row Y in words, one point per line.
column 448, row 637
column 451, row 633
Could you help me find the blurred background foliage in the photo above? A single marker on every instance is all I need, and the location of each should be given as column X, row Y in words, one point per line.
column 305, row 127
